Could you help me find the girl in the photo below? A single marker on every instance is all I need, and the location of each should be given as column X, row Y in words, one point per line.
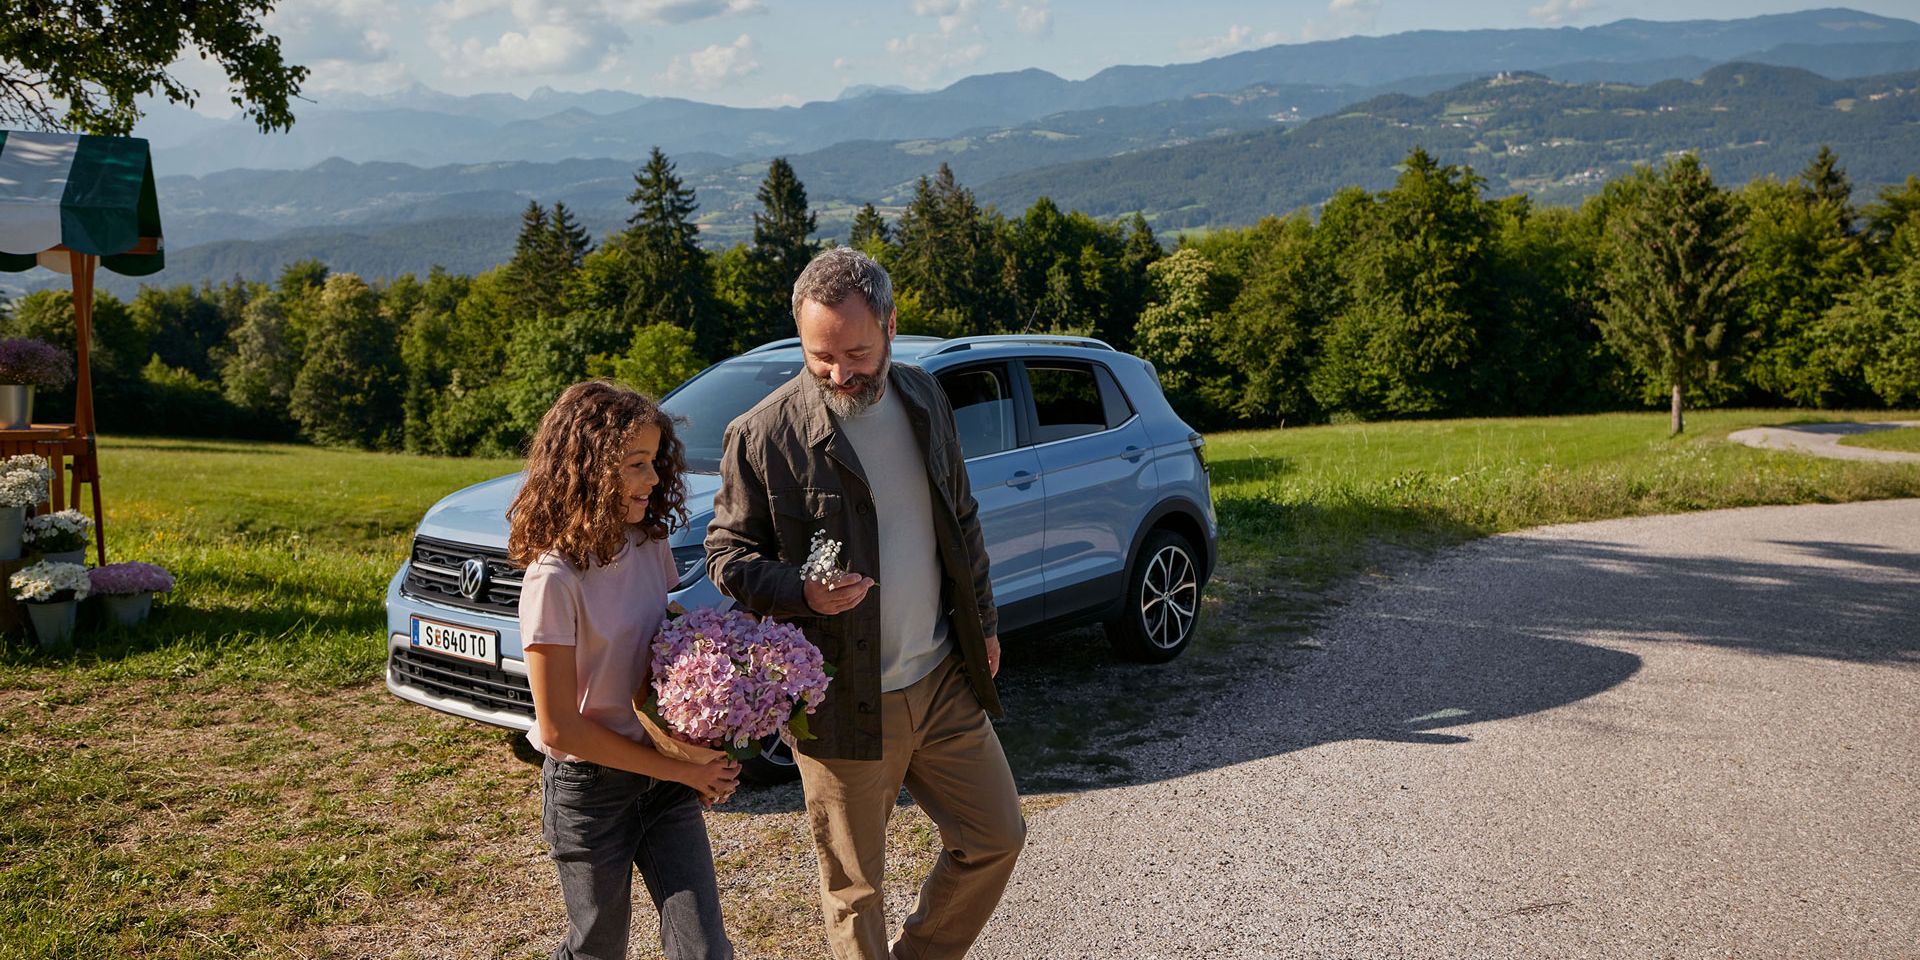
column 603, row 483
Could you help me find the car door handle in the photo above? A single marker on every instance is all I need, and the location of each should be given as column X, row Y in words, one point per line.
column 1022, row 480
column 1132, row 454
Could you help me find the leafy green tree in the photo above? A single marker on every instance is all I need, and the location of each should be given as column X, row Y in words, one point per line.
column 782, row 247
column 184, row 326
column 1893, row 225
column 261, row 362
column 82, row 66
column 349, row 386
column 1671, row 278
column 1407, row 334
column 1269, row 343
column 671, row 281
column 1801, row 255
column 546, row 254
column 1874, row 330
column 660, row 358
column 1539, row 349
column 1184, row 333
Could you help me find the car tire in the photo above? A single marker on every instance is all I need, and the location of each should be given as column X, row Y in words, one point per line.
column 773, row 765
column 1157, row 620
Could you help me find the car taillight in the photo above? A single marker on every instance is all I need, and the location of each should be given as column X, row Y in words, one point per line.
column 1199, row 444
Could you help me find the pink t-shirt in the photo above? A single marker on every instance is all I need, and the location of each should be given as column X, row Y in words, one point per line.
column 609, row 615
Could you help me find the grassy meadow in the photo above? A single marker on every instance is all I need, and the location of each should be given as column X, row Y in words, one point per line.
column 1902, row 439
column 234, row 781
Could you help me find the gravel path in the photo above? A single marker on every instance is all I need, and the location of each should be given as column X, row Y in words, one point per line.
column 1688, row 736
column 1823, row 440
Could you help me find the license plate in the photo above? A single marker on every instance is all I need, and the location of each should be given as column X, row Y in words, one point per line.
column 480, row 646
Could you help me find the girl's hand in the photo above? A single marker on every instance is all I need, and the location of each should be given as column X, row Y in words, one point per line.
column 714, row 781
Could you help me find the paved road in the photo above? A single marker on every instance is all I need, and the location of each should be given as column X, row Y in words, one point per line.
column 1823, row 440
column 1692, row 736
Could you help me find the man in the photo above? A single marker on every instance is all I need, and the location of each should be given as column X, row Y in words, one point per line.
column 865, row 452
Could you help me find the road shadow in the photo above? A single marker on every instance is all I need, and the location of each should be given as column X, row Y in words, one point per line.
column 1824, row 428
column 1413, row 662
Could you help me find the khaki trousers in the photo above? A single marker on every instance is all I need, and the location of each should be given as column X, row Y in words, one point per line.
column 941, row 746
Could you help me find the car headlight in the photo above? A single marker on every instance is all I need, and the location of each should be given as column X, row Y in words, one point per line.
column 691, row 561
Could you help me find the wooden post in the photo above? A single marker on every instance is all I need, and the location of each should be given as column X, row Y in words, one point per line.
column 83, row 268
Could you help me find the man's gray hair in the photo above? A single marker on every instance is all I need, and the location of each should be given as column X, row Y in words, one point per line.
column 840, row 272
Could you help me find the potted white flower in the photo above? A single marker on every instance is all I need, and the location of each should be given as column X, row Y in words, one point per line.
column 26, row 363
column 126, row 589
column 51, row 591
column 60, row 536
column 23, row 485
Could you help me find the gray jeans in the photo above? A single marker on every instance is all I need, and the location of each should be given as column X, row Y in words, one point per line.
column 600, row 823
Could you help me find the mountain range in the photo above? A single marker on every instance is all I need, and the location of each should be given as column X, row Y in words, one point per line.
column 401, row 181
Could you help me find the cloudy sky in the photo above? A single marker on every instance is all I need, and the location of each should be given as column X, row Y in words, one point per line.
column 773, row 52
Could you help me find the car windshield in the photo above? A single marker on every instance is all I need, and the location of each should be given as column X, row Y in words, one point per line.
column 711, row 400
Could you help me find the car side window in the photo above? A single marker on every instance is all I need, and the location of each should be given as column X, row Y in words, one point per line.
column 1066, row 401
column 1119, row 410
column 982, row 409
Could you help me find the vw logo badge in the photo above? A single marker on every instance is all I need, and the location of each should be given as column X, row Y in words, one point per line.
column 473, row 578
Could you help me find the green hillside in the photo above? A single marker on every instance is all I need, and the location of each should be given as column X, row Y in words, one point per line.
column 1523, row 132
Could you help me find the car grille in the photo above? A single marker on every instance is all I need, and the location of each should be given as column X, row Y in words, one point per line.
column 472, row 683
column 433, row 573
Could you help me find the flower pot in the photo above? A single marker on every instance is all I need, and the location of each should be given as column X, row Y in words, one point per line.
column 16, row 405
column 52, row 622
column 12, row 521
column 66, row 556
column 127, row 609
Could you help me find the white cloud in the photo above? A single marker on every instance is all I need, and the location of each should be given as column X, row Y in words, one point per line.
column 715, row 67
column 1556, row 12
column 1034, row 18
column 682, row 11
column 1343, row 18
column 541, row 48
column 1239, row 37
column 923, row 56
column 345, row 30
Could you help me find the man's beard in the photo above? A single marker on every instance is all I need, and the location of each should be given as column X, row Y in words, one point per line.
column 864, row 396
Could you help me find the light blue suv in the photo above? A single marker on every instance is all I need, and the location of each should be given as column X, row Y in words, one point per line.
column 1094, row 499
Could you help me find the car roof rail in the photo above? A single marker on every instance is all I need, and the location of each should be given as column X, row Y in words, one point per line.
column 775, row 345
column 968, row 343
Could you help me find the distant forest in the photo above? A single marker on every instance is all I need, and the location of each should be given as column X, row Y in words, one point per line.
column 1423, row 299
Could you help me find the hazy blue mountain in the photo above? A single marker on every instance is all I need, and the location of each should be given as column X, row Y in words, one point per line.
column 429, row 128
column 1525, row 133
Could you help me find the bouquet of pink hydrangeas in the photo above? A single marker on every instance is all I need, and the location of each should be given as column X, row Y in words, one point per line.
column 726, row 680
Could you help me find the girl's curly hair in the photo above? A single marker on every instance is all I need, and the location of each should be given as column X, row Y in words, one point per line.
column 571, row 502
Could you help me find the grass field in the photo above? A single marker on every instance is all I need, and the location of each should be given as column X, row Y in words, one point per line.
column 1903, row 439
column 233, row 781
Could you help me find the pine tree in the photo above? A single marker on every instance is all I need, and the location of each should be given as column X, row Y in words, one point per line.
column 1827, row 182
column 570, row 241
column 670, row 271
column 869, row 228
column 530, row 278
column 780, row 250
column 951, row 257
column 1671, row 280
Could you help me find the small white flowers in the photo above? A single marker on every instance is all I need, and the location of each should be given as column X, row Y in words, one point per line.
column 49, row 580
column 823, row 564
column 23, row 480
column 58, row 532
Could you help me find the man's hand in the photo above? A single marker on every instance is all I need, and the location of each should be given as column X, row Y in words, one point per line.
column 843, row 594
column 993, row 655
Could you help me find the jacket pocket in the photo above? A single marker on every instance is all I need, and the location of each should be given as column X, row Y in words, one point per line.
column 800, row 512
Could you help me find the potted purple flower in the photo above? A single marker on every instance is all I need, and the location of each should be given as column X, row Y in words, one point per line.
column 126, row 589
column 26, row 363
